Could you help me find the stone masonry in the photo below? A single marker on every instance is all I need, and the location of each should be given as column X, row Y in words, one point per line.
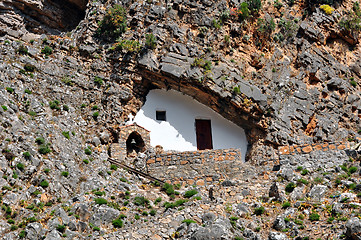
column 196, row 167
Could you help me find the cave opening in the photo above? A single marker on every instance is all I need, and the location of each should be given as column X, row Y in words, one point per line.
column 55, row 16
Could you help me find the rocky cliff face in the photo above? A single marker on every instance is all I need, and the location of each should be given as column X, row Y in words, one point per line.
column 289, row 73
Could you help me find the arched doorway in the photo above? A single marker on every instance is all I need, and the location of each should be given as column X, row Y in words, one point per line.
column 135, row 144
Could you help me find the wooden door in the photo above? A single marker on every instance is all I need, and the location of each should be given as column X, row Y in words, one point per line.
column 204, row 134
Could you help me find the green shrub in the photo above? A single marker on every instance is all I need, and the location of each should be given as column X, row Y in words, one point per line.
column 113, row 167
column 190, row 193
column 130, row 46
column 168, row 188
column 9, row 89
column 353, row 83
column 157, row 200
column 86, row 161
column 20, row 166
column 145, row 213
column 44, row 184
column 44, row 149
column 87, row 151
column 289, row 187
column 303, row 181
column 259, row 211
column 65, row 174
column 27, row 155
column 117, row 223
column 32, row 113
column 47, row 50
column 13, row 227
column 66, row 134
column 286, row 205
column 244, row 11
column 46, row 170
column 352, row 169
column 65, row 108
column 40, row 140
column 137, row 217
column 113, row 25
column 150, row 41
column 153, row 212
column 4, row 107
column 314, row 217
column 23, row 50
column 29, row 67
column 54, row 105
column 95, row 114
column 304, row 172
column 95, row 107
column 100, row 201
column 99, row 193
column 254, row 5
column 22, row 234
column 188, row 221
column 141, row 201
column 98, row 80
column 27, row 91
column 351, row 21
column 60, row 228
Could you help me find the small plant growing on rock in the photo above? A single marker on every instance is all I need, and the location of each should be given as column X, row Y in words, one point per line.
column 352, row 169
column 113, row 25
column 4, row 107
column 40, row 140
column 44, row 184
column 289, row 187
column 60, row 228
column 188, row 221
column 259, row 211
column 66, row 134
column 29, row 67
column 44, row 149
column 27, row 155
column 314, row 217
column 327, row 9
column 286, row 205
column 141, row 201
column 23, row 50
column 190, row 193
column 98, row 81
column 150, row 41
column 20, row 166
column 304, row 172
column 87, row 151
column 168, row 188
column 113, row 167
column 54, row 105
column 153, row 212
column 157, row 200
column 100, row 201
column 47, row 50
column 9, row 89
column 117, row 223
column 65, row 174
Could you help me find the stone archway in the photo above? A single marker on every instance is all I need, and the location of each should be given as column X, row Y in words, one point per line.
column 135, row 144
column 132, row 139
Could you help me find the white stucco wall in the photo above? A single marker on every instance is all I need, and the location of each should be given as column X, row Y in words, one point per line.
column 178, row 132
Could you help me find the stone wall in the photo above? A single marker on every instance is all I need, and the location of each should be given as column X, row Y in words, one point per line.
column 196, row 167
column 318, row 155
column 119, row 150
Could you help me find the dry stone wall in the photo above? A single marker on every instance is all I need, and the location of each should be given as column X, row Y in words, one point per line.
column 318, row 155
column 196, row 167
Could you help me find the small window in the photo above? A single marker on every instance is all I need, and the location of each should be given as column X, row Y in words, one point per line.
column 160, row 115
